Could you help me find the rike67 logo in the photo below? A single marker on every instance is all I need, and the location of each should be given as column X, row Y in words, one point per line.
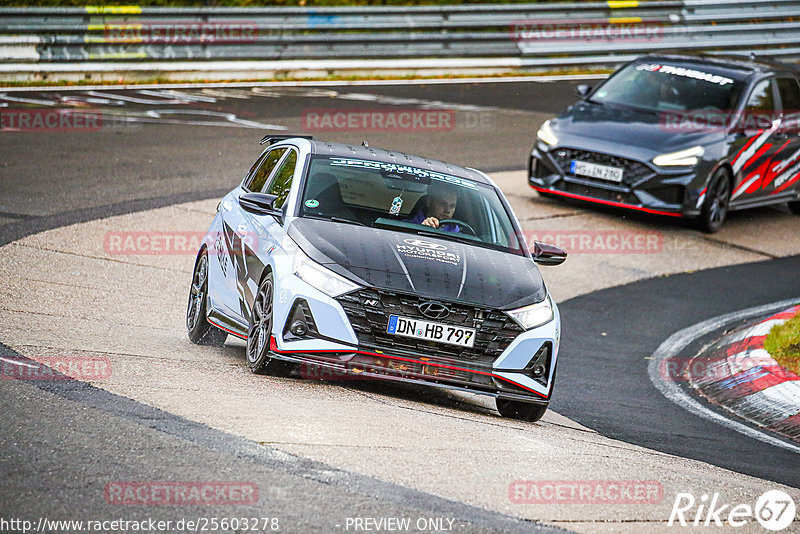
column 774, row 510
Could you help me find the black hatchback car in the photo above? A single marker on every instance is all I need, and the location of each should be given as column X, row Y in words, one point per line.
column 684, row 135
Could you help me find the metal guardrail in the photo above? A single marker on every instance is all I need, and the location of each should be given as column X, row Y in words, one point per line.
column 581, row 33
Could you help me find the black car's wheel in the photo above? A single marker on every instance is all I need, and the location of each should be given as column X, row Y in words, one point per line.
column 199, row 329
column 715, row 208
column 260, row 332
column 525, row 411
column 795, row 207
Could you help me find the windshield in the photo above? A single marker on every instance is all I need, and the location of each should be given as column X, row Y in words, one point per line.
column 664, row 87
column 404, row 198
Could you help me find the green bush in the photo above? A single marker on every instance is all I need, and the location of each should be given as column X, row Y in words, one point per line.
column 783, row 344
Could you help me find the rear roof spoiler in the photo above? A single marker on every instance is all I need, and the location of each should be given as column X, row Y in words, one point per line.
column 272, row 138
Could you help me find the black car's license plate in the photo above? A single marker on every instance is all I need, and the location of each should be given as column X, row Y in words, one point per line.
column 593, row 170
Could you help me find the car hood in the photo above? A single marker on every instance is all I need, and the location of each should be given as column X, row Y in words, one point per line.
column 653, row 133
column 426, row 266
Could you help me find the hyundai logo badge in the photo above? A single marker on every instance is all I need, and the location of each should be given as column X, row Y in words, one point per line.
column 424, row 244
column 434, row 310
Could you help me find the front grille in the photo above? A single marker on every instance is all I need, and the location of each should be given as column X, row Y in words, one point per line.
column 494, row 329
column 632, row 171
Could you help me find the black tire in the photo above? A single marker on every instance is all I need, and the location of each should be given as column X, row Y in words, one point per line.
column 715, row 207
column 260, row 332
column 794, row 207
column 524, row 411
column 199, row 329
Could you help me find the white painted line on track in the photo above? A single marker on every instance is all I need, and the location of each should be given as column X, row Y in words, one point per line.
column 672, row 391
column 230, row 117
column 312, row 83
column 37, row 102
column 17, row 362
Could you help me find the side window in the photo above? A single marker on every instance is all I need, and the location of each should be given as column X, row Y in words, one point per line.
column 761, row 99
column 282, row 182
column 263, row 169
column 760, row 110
column 789, row 90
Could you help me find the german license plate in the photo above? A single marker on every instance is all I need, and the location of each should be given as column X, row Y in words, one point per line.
column 593, row 170
column 443, row 333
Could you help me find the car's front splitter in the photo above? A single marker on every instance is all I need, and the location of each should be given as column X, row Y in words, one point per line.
column 357, row 364
column 605, row 202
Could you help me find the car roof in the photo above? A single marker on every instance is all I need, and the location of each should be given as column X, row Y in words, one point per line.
column 326, row 148
column 740, row 63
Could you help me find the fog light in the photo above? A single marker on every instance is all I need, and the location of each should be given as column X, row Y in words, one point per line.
column 537, row 370
column 298, row 328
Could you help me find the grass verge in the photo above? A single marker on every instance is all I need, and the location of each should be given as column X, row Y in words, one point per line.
column 377, row 77
column 783, row 344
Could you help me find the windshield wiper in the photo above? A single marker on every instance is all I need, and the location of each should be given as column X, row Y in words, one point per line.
column 452, row 235
column 334, row 219
column 343, row 220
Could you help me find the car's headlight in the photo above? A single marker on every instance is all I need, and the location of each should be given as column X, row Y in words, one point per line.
column 534, row 315
column 546, row 135
column 319, row 277
column 690, row 156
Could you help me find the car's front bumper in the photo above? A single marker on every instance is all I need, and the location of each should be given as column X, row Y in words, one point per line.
column 348, row 341
column 644, row 187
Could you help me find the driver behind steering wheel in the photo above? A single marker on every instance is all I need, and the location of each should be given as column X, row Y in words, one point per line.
column 440, row 205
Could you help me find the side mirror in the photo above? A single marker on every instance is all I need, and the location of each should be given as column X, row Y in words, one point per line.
column 752, row 123
column 583, row 90
column 546, row 254
column 261, row 204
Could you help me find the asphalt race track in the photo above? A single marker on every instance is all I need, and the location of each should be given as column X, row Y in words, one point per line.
column 163, row 149
column 624, row 403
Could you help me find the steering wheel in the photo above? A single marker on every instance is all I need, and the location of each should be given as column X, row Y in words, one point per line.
column 461, row 224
